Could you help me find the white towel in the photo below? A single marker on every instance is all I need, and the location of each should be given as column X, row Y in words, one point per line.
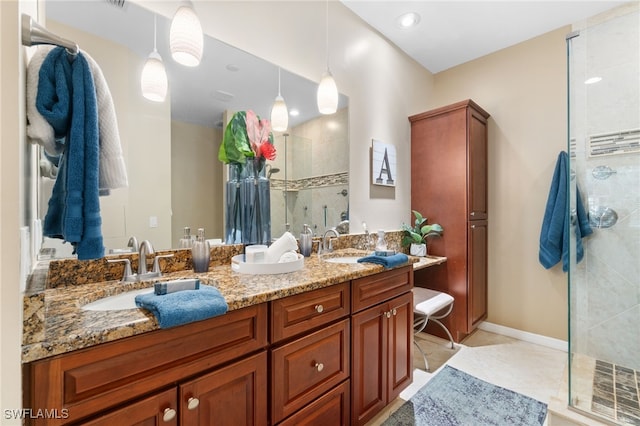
column 113, row 172
column 287, row 242
column 38, row 129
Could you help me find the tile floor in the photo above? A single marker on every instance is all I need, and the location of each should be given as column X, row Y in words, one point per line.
column 530, row 369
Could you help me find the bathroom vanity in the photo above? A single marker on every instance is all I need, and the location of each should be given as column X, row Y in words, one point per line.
column 329, row 344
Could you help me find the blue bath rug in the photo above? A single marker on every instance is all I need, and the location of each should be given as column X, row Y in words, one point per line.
column 455, row 398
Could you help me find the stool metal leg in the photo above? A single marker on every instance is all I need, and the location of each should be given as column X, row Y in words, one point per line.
column 437, row 319
column 419, row 324
column 424, row 356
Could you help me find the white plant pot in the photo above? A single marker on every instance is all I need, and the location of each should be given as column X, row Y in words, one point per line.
column 418, row 250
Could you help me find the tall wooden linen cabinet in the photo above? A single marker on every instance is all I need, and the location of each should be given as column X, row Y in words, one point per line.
column 449, row 187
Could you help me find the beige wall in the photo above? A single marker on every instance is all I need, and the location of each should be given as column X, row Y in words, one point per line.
column 196, row 179
column 524, row 89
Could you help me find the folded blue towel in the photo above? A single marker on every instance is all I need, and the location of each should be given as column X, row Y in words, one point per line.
column 557, row 221
column 386, row 261
column 183, row 307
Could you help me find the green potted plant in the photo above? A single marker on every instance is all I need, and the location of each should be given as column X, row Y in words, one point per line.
column 415, row 237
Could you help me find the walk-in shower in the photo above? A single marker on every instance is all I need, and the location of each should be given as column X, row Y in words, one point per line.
column 604, row 148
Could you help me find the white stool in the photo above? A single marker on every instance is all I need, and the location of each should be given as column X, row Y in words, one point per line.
column 430, row 305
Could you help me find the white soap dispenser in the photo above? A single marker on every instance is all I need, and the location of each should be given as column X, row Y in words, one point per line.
column 381, row 245
column 186, row 241
column 200, row 252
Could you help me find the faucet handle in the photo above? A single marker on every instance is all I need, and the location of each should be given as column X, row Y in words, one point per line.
column 156, row 264
column 128, row 274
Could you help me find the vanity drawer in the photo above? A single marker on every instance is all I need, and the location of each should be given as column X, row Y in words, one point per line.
column 94, row 379
column 332, row 408
column 371, row 290
column 297, row 314
column 306, row 368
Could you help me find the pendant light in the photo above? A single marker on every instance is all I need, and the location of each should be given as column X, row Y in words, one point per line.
column 327, row 95
column 279, row 113
column 185, row 36
column 153, row 79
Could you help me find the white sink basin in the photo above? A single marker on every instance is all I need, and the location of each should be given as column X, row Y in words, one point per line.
column 343, row 259
column 118, row 302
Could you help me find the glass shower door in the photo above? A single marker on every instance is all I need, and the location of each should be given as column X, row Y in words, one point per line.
column 604, row 152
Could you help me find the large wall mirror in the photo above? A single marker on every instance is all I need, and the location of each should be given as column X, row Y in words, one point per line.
column 170, row 148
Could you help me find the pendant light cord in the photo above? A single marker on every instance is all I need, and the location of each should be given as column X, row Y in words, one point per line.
column 327, row 31
column 155, row 29
column 279, row 81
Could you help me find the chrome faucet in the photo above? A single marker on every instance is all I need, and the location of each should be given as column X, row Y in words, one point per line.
column 145, row 249
column 133, row 244
column 327, row 247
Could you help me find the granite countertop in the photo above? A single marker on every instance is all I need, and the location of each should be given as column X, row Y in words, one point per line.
column 55, row 323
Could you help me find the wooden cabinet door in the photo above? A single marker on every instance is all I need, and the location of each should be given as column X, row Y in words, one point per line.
column 477, row 273
column 382, row 361
column 368, row 363
column 400, row 345
column 235, row 395
column 477, row 161
column 156, row 410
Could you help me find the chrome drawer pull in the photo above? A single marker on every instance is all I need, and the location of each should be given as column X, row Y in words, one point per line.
column 319, row 366
column 168, row 414
column 319, row 308
column 192, row 403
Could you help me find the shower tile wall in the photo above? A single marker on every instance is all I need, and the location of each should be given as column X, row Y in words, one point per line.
column 607, row 282
column 317, row 172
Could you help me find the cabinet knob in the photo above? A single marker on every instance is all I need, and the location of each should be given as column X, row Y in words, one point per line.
column 388, row 314
column 319, row 308
column 168, row 414
column 473, row 227
column 394, row 312
column 473, row 213
column 319, row 366
column 192, row 403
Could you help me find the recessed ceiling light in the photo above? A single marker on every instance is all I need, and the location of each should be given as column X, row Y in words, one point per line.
column 294, row 112
column 408, row 20
column 592, row 80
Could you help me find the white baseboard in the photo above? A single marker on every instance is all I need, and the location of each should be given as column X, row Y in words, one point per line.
column 525, row 336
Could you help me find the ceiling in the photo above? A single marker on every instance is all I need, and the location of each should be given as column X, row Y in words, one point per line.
column 453, row 32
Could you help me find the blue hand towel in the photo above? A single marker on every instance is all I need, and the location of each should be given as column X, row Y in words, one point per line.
column 386, row 261
column 67, row 100
column 554, row 235
column 185, row 306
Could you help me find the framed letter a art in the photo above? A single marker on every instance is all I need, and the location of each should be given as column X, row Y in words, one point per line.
column 383, row 164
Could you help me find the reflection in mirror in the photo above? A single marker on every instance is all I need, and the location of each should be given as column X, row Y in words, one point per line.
column 170, row 148
column 314, row 188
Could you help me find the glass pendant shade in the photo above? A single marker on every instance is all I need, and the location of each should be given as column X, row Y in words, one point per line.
column 327, row 94
column 279, row 115
column 154, row 78
column 185, row 37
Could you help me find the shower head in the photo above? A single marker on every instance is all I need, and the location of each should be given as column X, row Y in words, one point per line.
column 272, row 170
